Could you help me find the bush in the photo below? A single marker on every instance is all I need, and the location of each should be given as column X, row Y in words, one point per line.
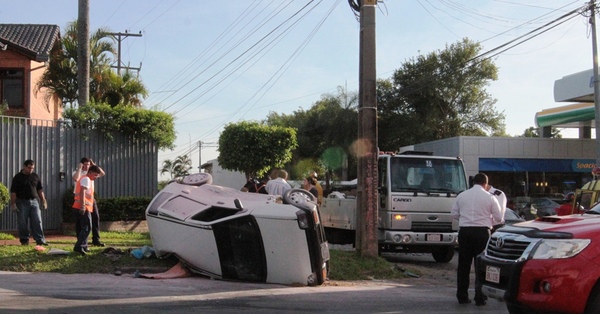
column 111, row 209
column 123, row 208
column 4, row 197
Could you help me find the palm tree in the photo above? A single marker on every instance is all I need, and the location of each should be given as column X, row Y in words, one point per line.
column 124, row 89
column 61, row 76
column 177, row 168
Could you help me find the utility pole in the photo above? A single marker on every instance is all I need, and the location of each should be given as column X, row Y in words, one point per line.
column 83, row 53
column 199, row 156
column 596, row 82
column 367, row 197
column 120, row 38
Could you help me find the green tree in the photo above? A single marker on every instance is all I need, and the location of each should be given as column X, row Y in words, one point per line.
column 254, row 148
column 61, row 75
column 437, row 96
column 534, row 132
column 325, row 133
column 4, row 197
column 156, row 126
column 124, row 89
column 180, row 167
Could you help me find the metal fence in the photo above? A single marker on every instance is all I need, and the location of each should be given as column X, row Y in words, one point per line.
column 131, row 166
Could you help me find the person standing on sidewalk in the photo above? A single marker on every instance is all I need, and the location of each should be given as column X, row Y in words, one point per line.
column 83, row 208
column 81, row 171
column 477, row 211
column 26, row 195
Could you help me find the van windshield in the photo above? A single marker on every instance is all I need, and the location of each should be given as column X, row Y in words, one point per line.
column 427, row 175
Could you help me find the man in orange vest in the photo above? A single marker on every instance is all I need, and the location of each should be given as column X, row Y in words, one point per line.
column 83, row 208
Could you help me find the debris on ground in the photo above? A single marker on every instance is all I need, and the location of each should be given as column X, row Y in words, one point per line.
column 177, row 271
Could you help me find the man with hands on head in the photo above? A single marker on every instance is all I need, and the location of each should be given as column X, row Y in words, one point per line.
column 81, row 171
column 83, row 207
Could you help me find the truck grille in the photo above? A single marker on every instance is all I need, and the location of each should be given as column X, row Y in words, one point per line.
column 506, row 247
column 431, row 226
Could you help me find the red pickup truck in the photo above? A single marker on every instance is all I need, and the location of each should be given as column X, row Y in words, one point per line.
column 548, row 265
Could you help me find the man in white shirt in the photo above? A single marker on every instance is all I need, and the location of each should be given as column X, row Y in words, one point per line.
column 278, row 185
column 476, row 211
column 501, row 197
column 81, row 171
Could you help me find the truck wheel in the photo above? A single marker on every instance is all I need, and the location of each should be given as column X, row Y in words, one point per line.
column 443, row 254
column 296, row 196
column 515, row 309
column 197, row 179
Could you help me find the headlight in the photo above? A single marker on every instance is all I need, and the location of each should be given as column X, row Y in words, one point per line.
column 549, row 249
column 533, row 210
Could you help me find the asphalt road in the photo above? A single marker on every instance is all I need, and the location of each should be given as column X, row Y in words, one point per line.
column 107, row 293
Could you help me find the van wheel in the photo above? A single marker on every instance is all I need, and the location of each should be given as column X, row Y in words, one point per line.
column 443, row 254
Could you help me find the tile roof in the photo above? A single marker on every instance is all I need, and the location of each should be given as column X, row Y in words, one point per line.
column 33, row 40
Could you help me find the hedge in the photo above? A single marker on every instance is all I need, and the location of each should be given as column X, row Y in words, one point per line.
column 111, row 209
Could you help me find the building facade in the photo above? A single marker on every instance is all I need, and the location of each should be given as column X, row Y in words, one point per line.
column 522, row 166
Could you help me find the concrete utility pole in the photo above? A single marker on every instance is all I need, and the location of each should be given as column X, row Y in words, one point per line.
column 367, row 197
column 596, row 82
column 83, row 53
column 120, row 38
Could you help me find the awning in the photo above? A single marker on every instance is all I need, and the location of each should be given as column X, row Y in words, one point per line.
column 536, row 165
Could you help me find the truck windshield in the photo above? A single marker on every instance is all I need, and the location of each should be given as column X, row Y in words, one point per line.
column 427, row 175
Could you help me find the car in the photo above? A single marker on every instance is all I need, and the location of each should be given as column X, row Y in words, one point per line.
column 551, row 264
column 538, row 207
column 224, row 233
column 510, row 217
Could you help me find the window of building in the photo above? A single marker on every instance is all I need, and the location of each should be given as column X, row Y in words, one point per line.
column 12, row 87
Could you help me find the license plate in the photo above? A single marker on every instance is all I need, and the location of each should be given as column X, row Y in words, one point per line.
column 434, row 238
column 492, row 274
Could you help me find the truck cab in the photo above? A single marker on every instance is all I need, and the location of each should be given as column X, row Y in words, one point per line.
column 416, row 192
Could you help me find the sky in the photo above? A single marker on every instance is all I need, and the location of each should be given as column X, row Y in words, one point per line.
column 210, row 63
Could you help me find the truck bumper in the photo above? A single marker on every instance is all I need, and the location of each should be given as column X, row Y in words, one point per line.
column 407, row 238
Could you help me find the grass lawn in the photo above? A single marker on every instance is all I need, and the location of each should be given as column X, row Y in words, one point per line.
column 344, row 265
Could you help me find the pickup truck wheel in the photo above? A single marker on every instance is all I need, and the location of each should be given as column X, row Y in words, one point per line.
column 515, row 310
column 443, row 254
column 593, row 304
column 197, row 179
column 295, row 196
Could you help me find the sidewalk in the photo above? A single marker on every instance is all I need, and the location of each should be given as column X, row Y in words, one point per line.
column 50, row 238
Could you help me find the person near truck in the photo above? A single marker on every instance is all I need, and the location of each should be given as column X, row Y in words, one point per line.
column 476, row 211
column 278, row 184
column 501, row 197
column 318, row 187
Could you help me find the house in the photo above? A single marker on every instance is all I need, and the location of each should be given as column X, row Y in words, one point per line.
column 25, row 52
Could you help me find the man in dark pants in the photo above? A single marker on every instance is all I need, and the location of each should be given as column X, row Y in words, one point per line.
column 83, row 207
column 477, row 211
column 81, row 171
column 26, row 198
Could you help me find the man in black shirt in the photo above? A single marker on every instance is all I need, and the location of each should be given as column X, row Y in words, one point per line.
column 26, row 195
